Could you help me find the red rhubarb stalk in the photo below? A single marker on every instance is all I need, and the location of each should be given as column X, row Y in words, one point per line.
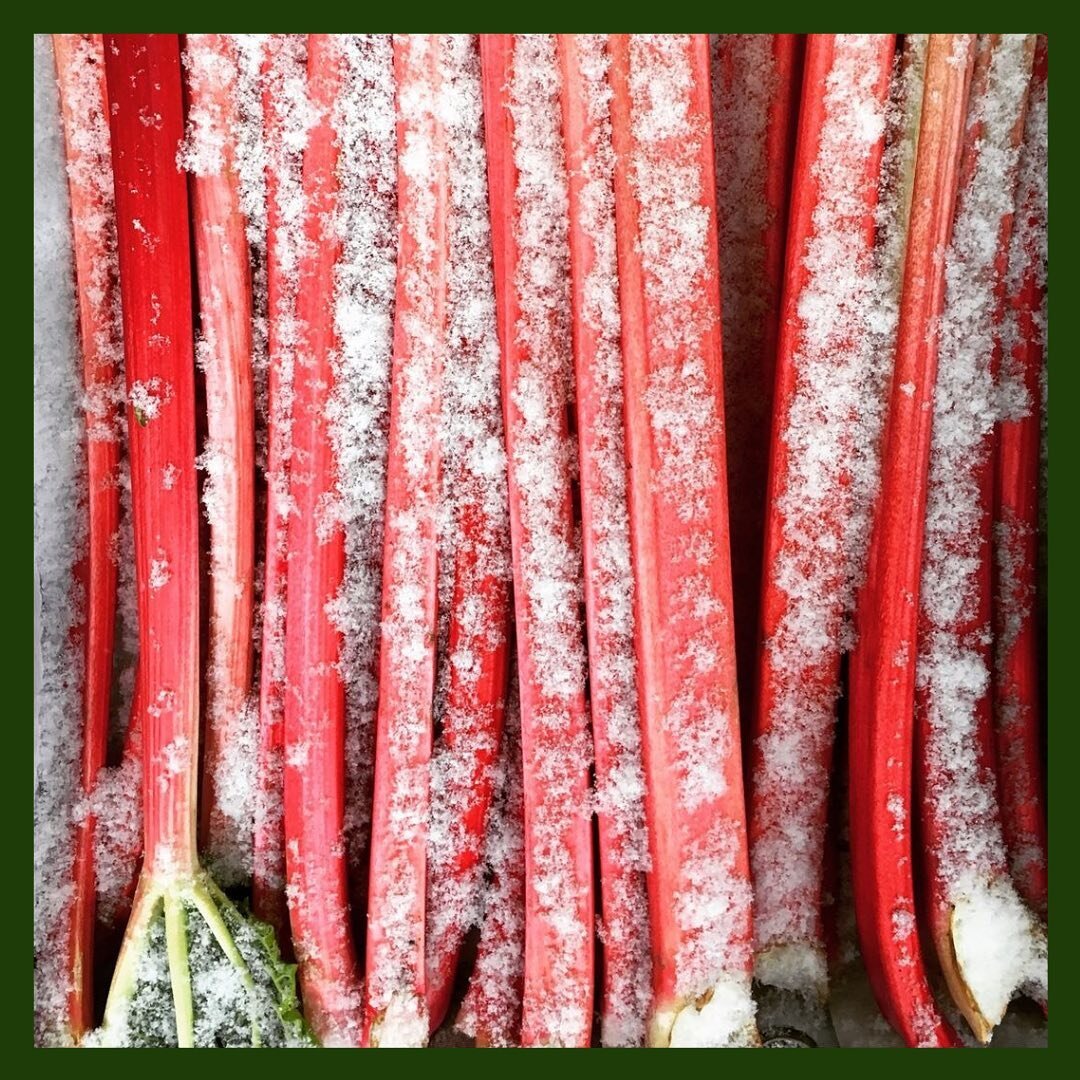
column 314, row 700
column 491, row 1010
column 756, row 79
column 665, row 203
column 224, row 353
column 827, row 412
column 988, row 942
column 527, row 194
column 1016, row 657
column 882, row 672
column 620, row 782
column 474, row 549
column 284, row 74
column 144, row 89
column 396, row 1008
column 85, row 113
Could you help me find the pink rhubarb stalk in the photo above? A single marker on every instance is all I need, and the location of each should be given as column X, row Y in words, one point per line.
column 665, row 204
column 396, row 1008
column 620, row 782
column 146, row 112
column 988, row 941
column 527, row 193
column 224, row 352
column 1016, row 525
column 85, row 113
column 882, row 672
column 827, row 409
column 314, row 785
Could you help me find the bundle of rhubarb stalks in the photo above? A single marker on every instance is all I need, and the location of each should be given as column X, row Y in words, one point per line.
column 538, row 539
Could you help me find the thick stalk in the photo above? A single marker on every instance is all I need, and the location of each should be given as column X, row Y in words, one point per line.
column 828, row 404
column 146, row 114
column 665, row 205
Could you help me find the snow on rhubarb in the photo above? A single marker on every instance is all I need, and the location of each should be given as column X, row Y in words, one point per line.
column 620, row 780
column 839, row 354
column 287, row 119
column 60, row 536
column 359, row 410
column 491, row 1010
column 999, row 945
column 473, row 529
column 707, row 994
column 395, row 954
column 548, row 566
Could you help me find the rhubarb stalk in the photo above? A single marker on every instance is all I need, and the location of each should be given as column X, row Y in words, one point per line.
column 84, row 109
column 989, row 943
column 822, row 472
column 224, row 352
column 284, row 84
column 314, row 698
column 605, row 527
column 527, row 194
column 396, row 1009
column 665, row 203
column 181, row 922
column 474, row 548
column 756, row 79
column 882, row 671
column 1016, row 645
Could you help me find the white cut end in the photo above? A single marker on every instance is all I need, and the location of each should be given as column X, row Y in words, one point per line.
column 1000, row 948
column 724, row 1018
column 404, row 1024
column 797, row 965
